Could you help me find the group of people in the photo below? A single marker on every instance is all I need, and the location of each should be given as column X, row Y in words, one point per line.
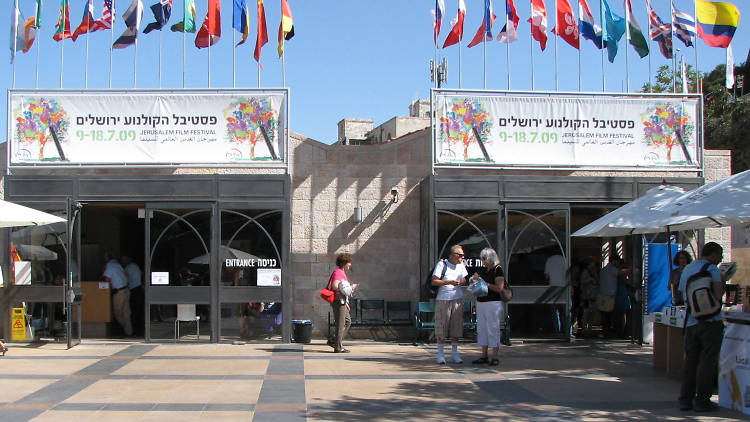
column 125, row 282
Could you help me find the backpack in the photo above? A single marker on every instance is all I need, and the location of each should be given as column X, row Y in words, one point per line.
column 700, row 299
column 430, row 290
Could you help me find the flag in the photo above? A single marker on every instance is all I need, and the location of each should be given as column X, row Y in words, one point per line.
column 38, row 14
column 730, row 68
column 538, row 21
column 567, row 26
column 484, row 32
column 63, row 22
column 587, row 25
column 612, row 30
column 105, row 22
column 86, row 21
column 457, row 32
column 683, row 26
column 188, row 18
column 717, row 22
column 210, row 31
column 438, row 19
column 286, row 26
column 262, row 36
column 241, row 19
column 509, row 34
column 659, row 32
column 132, row 18
column 635, row 35
column 162, row 11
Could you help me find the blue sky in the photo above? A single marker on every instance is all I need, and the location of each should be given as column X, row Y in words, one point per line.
column 348, row 58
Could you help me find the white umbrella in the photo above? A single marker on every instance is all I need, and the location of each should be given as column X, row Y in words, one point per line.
column 13, row 215
column 638, row 216
column 226, row 253
column 36, row 253
column 718, row 204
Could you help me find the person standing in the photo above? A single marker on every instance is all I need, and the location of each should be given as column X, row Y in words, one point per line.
column 607, row 291
column 449, row 313
column 490, row 308
column 702, row 337
column 135, row 277
column 339, row 283
column 115, row 275
column 681, row 260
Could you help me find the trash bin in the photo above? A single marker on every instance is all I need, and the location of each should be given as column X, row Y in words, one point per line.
column 301, row 330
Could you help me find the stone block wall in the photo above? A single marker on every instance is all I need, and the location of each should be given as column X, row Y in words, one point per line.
column 328, row 183
column 717, row 165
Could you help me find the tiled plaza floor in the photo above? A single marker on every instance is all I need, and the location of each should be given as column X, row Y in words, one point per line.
column 129, row 381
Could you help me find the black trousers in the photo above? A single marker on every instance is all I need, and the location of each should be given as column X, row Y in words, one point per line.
column 702, row 346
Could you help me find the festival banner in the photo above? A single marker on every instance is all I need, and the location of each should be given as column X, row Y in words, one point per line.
column 564, row 131
column 129, row 127
column 734, row 366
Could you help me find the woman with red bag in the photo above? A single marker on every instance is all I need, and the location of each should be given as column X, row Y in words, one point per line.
column 339, row 283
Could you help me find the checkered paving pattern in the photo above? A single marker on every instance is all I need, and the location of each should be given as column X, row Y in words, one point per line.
column 125, row 381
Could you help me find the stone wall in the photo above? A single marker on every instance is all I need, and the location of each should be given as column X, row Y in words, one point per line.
column 717, row 165
column 328, row 182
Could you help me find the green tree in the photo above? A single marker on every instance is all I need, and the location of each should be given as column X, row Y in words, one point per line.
column 665, row 80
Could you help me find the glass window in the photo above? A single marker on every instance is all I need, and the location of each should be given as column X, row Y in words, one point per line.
column 474, row 230
column 38, row 254
column 181, row 247
column 250, row 248
column 164, row 324
column 251, row 321
column 534, row 237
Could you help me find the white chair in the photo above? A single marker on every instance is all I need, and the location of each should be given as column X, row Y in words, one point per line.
column 186, row 313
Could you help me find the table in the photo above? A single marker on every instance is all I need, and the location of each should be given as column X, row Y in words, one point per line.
column 668, row 344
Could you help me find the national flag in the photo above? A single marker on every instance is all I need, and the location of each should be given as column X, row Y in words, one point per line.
column 717, row 22
column 38, row 14
column 132, row 18
column 538, row 21
column 63, row 22
column 509, row 33
column 484, row 32
column 729, row 79
column 683, row 26
column 261, row 37
column 86, row 21
column 286, row 26
column 438, row 18
column 612, row 30
column 567, row 26
column 105, row 22
column 210, row 31
column 187, row 24
column 457, row 32
column 635, row 35
column 659, row 32
column 589, row 29
column 241, row 19
column 162, row 11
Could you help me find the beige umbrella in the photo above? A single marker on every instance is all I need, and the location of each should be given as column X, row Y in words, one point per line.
column 14, row 215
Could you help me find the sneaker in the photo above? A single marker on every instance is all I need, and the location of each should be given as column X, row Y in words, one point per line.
column 706, row 407
column 440, row 360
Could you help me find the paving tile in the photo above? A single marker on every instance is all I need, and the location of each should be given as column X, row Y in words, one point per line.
column 298, row 416
column 49, row 367
column 286, row 367
column 18, row 388
column 238, row 416
column 194, row 366
column 282, row 391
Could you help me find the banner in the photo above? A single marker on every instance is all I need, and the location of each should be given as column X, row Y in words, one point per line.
column 606, row 131
column 129, row 127
column 734, row 367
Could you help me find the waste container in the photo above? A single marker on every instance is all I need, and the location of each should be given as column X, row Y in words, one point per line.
column 301, row 330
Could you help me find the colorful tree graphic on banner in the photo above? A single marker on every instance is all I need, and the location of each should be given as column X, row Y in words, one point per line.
column 464, row 123
column 40, row 119
column 667, row 125
column 251, row 119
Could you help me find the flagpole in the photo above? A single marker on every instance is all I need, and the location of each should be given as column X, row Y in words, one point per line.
column 38, row 47
column 209, row 60
column 234, row 59
column 484, row 62
column 283, row 69
column 627, row 35
column 135, row 60
column 86, row 65
column 531, row 46
column 580, row 47
column 460, row 74
column 507, row 43
column 184, row 37
column 557, row 85
column 62, row 47
column 674, row 55
column 111, row 39
column 14, row 21
column 259, row 67
column 695, row 46
column 161, row 42
column 601, row 19
column 651, row 44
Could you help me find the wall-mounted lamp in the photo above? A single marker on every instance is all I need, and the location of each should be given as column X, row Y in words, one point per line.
column 358, row 215
column 394, row 195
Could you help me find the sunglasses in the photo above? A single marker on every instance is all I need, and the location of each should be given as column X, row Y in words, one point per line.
column 458, row 254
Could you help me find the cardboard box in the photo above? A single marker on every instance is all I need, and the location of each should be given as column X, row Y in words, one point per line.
column 96, row 305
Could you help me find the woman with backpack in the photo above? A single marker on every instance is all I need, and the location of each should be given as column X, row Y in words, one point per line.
column 490, row 308
column 339, row 283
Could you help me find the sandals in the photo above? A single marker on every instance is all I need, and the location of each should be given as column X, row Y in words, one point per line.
column 494, row 362
column 481, row 361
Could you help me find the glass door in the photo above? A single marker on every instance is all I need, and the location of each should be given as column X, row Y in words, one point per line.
column 537, row 260
column 179, row 268
column 72, row 285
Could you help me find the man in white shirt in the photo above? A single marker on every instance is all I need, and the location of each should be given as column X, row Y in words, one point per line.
column 118, row 284
column 449, row 313
column 135, row 276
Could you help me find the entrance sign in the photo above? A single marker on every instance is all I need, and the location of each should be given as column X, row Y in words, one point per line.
column 504, row 129
column 18, row 325
column 132, row 127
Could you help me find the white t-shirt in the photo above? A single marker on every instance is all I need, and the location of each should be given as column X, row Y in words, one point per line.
column 556, row 269
column 454, row 272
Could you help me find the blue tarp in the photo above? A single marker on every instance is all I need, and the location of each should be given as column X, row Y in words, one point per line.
column 659, row 295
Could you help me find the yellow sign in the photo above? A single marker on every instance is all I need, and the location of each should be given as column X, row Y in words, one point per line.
column 18, row 330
